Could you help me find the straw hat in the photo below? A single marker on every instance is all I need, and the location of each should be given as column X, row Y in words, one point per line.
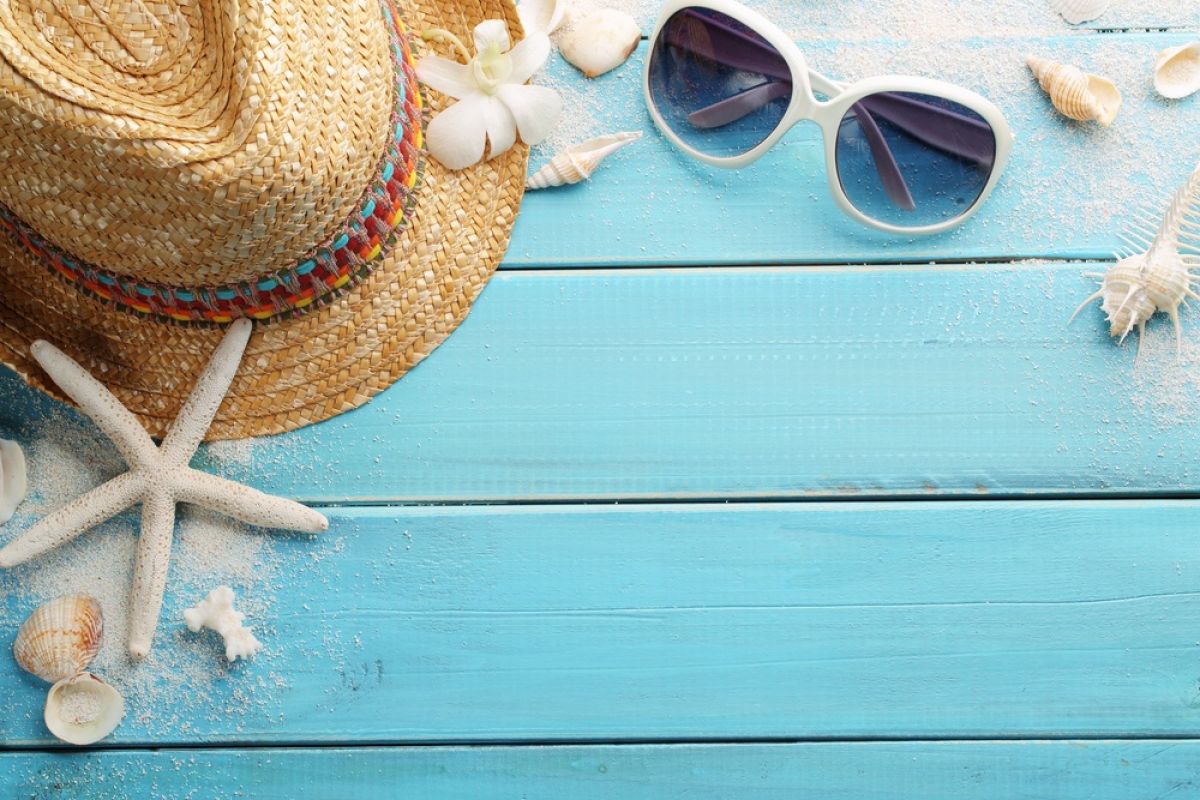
column 169, row 165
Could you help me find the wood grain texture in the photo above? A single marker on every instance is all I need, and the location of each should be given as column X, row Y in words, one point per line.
column 763, row 383
column 1067, row 193
column 1065, row 770
column 677, row 622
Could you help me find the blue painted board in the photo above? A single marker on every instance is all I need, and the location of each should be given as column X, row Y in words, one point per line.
column 1068, row 191
column 1064, row 770
column 684, row 622
column 804, row 383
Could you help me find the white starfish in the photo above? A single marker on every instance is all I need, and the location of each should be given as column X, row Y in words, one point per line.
column 158, row 478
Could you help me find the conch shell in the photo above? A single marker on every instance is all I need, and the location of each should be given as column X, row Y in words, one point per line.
column 1077, row 11
column 1153, row 272
column 60, row 638
column 1177, row 71
column 83, row 709
column 12, row 478
column 1075, row 93
column 578, row 162
column 542, row 16
column 601, row 41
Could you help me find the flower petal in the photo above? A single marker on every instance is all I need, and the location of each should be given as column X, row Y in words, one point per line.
column 528, row 57
column 501, row 129
column 535, row 109
column 491, row 31
column 446, row 76
column 456, row 135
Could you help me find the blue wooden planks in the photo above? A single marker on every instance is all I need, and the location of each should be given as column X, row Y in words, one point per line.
column 704, row 622
column 1065, row 770
column 735, row 383
column 1068, row 191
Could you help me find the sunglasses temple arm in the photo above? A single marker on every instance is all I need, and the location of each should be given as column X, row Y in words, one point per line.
column 743, row 103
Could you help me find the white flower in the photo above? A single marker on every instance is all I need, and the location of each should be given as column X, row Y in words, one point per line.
column 494, row 103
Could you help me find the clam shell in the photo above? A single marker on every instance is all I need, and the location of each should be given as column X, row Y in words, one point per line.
column 60, row 638
column 83, row 709
column 12, row 478
column 1075, row 93
column 601, row 41
column 1177, row 71
column 578, row 162
column 542, row 16
column 1077, row 11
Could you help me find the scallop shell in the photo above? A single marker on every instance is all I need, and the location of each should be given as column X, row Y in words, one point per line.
column 12, row 478
column 1075, row 93
column 542, row 16
column 578, row 162
column 1077, row 11
column 1177, row 71
column 601, row 41
column 83, row 709
column 60, row 638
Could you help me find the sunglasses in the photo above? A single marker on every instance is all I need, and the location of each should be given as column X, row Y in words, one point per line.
column 903, row 154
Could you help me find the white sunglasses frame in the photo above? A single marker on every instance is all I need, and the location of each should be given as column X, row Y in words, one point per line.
column 804, row 106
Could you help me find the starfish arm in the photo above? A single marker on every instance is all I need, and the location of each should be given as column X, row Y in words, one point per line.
column 150, row 570
column 67, row 522
column 197, row 414
column 246, row 504
column 97, row 402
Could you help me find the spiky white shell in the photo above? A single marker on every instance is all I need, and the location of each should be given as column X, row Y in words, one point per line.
column 1077, row 11
column 1177, row 71
column 83, row 709
column 1075, row 93
column 601, row 41
column 578, row 162
column 12, row 478
column 1155, row 271
column 60, row 638
column 542, row 16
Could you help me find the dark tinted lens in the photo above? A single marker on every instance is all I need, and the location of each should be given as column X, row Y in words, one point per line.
column 913, row 159
column 716, row 83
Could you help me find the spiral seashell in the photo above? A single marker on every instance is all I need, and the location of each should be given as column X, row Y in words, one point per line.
column 1075, row 93
column 578, row 162
column 1156, row 270
column 83, row 709
column 1077, row 11
column 60, row 638
column 600, row 42
column 1177, row 71
column 12, row 478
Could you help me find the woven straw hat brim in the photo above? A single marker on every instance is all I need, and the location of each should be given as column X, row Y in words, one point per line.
column 312, row 367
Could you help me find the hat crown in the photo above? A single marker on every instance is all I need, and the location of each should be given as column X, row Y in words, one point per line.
column 130, row 36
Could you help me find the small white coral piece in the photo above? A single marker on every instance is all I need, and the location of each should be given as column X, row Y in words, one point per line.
column 600, row 42
column 215, row 612
column 12, row 478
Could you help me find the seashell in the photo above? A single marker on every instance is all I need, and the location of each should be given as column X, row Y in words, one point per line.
column 1153, row 271
column 542, row 16
column 600, row 42
column 83, row 709
column 1177, row 71
column 578, row 162
column 12, row 478
column 60, row 638
column 1077, row 11
column 1075, row 93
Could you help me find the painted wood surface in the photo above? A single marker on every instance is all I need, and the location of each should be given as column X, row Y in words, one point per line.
column 677, row 622
column 755, row 383
column 1067, row 193
column 1064, row 770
